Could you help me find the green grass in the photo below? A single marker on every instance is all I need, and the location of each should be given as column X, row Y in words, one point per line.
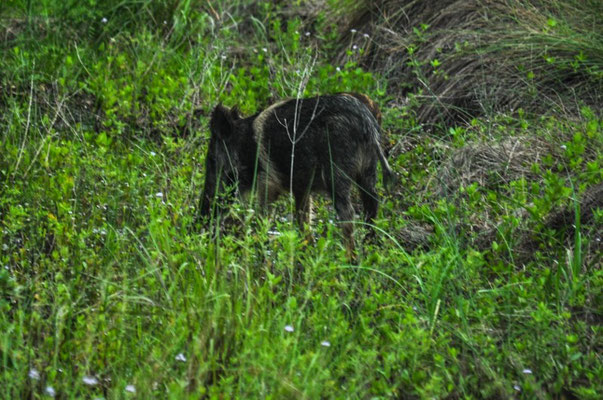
column 106, row 283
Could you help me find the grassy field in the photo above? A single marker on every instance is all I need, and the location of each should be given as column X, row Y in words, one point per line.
column 485, row 279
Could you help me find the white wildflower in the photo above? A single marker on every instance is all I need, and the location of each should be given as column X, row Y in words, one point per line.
column 180, row 357
column 289, row 328
column 527, row 371
column 130, row 389
column 34, row 374
column 90, row 380
column 104, row 20
column 325, row 343
column 50, row 391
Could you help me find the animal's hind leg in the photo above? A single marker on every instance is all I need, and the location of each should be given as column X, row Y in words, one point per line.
column 345, row 212
column 368, row 195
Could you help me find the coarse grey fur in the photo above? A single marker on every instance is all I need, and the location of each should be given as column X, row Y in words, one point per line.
column 323, row 144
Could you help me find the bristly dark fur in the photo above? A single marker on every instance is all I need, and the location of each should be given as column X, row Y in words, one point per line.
column 324, row 144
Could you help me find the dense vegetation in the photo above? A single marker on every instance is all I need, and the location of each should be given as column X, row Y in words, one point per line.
column 485, row 279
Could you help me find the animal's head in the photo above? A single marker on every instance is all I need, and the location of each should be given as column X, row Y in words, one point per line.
column 222, row 160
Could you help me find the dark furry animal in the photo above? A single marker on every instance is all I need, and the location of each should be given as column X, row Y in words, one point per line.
column 324, row 144
column 368, row 102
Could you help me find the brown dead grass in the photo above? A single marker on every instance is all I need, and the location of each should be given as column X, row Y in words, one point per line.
column 491, row 165
column 493, row 54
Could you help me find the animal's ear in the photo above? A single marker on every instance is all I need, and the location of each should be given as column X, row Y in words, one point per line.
column 235, row 113
column 221, row 122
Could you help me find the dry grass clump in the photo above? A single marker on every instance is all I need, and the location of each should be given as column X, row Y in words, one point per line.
column 563, row 222
column 491, row 164
column 460, row 58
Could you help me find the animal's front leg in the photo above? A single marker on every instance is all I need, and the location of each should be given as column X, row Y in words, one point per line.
column 303, row 214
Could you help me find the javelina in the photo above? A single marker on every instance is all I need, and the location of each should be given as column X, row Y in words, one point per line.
column 368, row 102
column 323, row 144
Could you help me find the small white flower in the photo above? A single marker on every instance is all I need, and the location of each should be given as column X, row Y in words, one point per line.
column 338, row 69
column 181, row 357
column 50, row 391
column 564, row 147
column 325, row 343
column 353, row 30
column 90, row 380
column 355, row 47
column 131, row 389
column 34, row 374
column 274, row 233
column 289, row 328
column 307, row 33
column 164, row 22
column 104, row 20
column 516, row 387
column 159, row 195
column 366, row 35
column 265, row 50
column 527, row 371
column 153, row 154
column 223, row 57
